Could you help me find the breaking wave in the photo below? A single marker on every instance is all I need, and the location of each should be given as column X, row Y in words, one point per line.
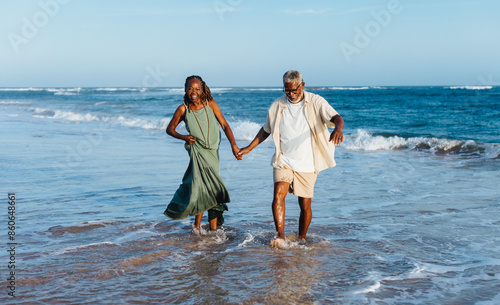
column 365, row 141
column 245, row 130
column 150, row 124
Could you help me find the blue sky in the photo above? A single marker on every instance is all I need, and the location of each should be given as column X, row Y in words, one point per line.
column 77, row 43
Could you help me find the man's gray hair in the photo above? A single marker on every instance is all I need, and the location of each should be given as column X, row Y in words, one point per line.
column 292, row 76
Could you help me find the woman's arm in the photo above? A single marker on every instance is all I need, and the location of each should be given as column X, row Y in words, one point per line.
column 174, row 122
column 225, row 126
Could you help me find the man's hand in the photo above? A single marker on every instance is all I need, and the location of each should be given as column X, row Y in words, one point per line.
column 336, row 137
column 243, row 151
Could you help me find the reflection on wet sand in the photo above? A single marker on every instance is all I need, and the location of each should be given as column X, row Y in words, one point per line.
column 293, row 276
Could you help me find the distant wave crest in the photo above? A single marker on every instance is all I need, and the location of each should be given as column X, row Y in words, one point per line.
column 471, row 87
column 349, row 88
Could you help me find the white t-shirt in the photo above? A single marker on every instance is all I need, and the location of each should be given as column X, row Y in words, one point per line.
column 296, row 145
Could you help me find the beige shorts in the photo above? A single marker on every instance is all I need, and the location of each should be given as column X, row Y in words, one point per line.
column 301, row 184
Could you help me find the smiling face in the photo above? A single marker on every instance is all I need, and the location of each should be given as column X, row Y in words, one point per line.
column 194, row 91
column 294, row 91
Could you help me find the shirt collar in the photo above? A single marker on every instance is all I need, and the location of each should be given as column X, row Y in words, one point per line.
column 305, row 98
column 288, row 100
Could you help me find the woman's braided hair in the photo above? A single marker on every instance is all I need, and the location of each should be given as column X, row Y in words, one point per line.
column 206, row 94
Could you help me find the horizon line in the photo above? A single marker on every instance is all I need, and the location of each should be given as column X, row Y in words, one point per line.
column 219, row 87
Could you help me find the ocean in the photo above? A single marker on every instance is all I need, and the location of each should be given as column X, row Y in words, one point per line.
column 408, row 216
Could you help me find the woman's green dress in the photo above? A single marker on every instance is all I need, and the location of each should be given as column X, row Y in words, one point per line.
column 202, row 187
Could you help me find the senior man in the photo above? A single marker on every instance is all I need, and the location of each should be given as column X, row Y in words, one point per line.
column 298, row 124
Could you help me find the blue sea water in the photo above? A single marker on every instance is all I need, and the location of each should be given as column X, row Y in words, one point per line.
column 408, row 216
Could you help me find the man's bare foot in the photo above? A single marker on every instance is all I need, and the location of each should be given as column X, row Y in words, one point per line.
column 278, row 242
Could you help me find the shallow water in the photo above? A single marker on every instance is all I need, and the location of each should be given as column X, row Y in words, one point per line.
column 390, row 225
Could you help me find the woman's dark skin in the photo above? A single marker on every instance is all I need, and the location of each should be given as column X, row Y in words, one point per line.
column 194, row 91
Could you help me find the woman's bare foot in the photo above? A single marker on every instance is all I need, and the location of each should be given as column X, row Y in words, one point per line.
column 196, row 231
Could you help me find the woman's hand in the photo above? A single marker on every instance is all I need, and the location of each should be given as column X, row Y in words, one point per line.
column 189, row 139
column 236, row 150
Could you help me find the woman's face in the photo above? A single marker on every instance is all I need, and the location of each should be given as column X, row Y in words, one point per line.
column 194, row 90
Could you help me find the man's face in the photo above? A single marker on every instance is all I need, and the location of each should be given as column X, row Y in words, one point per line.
column 294, row 91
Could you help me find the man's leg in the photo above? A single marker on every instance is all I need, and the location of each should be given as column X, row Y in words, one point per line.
column 305, row 216
column 280, row 191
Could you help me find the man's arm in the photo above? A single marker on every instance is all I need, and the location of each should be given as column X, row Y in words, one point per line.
column 259, row 138
column 337, row 136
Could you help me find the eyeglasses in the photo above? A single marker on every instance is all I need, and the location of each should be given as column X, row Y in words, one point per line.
column 294, row 91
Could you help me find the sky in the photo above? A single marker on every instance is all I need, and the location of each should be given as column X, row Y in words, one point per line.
column 154, row 43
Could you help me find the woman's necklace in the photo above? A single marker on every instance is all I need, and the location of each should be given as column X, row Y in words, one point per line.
column 201, row 129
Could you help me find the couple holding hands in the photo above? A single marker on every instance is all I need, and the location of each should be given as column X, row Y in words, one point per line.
column 298, row 123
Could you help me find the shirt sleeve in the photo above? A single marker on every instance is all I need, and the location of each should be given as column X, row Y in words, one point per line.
column 326, row 112
column 267, row 126
column 271, row 114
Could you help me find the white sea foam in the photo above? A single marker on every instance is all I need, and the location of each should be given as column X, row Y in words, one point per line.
column 73, row 116
column 116, row 89
column 158, row 124
column 248, row 240
column 22, row 89
column 373, row 277
column 174, row 90
column 67, row 91
column 76, row 248
column 262, row 89
column 492, row 151
column 349, row 88
column 42, row 111
column 9, row 103
column 244, row 130
column 471, row 87
column 365, row 141
column 219, row 90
